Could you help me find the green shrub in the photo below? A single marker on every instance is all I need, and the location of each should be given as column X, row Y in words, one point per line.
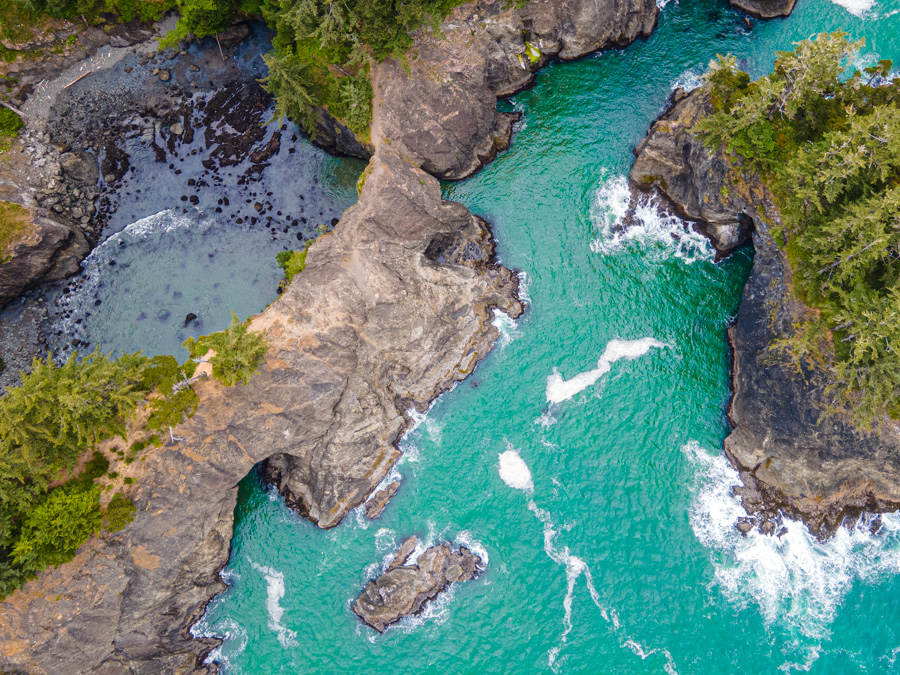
column 239, row 353
column 293, row 262
column 54, row 529
column 119, row 512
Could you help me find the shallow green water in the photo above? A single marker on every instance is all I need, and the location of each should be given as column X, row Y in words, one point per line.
column 623, row 557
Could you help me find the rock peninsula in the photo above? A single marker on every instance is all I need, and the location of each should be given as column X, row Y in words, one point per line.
column 792, row 457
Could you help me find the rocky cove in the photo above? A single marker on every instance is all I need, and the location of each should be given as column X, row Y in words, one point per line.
column 344, row 344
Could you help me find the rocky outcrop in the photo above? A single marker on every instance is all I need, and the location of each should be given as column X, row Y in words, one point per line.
column 46, row 250
column 404, row 590
column 379, row 500
column 765, row 9
column 793, row 458
column 439, row 111
column 394, row 306
column 701, row 187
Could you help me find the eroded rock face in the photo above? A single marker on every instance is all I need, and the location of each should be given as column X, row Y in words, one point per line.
column 792, row 458
column 442, row 114
column 404, row 590
column 765, row 9
column 702, row 187
column 48, row 250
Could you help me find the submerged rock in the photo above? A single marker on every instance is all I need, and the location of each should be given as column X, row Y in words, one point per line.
column 793, row 458
column 404, row 590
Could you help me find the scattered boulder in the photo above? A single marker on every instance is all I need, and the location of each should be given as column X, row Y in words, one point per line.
column 233, row 36
column 164, row 75
column 404, row 590
column 190, row 318
column 80, row 167
column 177, row 129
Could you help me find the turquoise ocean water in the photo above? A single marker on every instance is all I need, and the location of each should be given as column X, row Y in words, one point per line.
column 610, row 533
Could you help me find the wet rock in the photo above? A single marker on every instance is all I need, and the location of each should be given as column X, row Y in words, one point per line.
column 80, row 167
column 177, row 129
column 744, row 525
column 189, row 319
column 765, row 9
column 404, row 590
column 406, row 549
column 163, row 316
column 194, row 68
column 234, row 35
column 379, row 500
column 164, row 75
column 125, row 34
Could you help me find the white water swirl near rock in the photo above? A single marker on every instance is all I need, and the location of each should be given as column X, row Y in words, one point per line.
column 274, row 594
column 559, row 390
column 860, row 8
column 796, row 580
column 660, row 233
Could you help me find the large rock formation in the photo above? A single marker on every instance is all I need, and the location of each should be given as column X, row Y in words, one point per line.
column 440, row 111
column 793, row 458
column 46, row 249
column 394, row 307
column 404, row 590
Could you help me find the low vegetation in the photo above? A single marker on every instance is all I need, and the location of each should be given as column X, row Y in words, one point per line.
column 10, row 123
column 293, row 262
column 14, row 219
column 238, row 352
column 827, row 143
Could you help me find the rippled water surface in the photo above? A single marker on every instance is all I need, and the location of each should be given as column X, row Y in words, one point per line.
column 583, row 457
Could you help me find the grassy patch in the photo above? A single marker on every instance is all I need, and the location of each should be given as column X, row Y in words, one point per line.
column 14, row 219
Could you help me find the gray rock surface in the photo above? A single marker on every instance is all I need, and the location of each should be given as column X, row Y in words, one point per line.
column 48, row 250
column 379, row 500
column 442, row 115
column 404, row 590
column 765, row 9
column 792, row 458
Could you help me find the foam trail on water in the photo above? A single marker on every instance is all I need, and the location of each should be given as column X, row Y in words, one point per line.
column 559, row 390
column 688, row 80
column 648, row 226
column 274, row 594
column 796, row 580
column 514, row 471
column 575, row 568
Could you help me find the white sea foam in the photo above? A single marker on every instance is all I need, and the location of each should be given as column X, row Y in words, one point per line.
column 274, row 594
column 507, row 327
column 514, row 471
column 796, row 581
column 559, row 390
column 465, row 538
column 688, row 80
column 649, row 225
column 524, row 285
column 859, row 8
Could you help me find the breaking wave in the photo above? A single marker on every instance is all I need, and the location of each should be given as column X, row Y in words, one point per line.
column 796, row 580
column 623, row 221
column 858, row 8
column 559, row 390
